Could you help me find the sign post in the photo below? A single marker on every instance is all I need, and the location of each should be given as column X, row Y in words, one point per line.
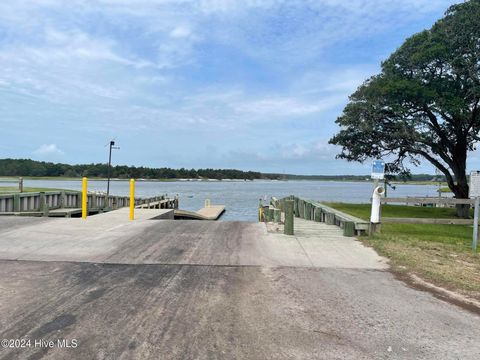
column 475, row 225
column 378, row 171
column 474, row 192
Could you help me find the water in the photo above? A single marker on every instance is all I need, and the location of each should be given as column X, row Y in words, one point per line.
column 241, row 197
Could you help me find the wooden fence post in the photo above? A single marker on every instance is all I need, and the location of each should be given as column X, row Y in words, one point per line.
column 289, row 217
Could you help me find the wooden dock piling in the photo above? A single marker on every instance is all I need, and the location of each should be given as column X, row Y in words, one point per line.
column 308, row 211
column 277, row 216
column 271, row 213
column 301, row 209
column 317, row 214
column 349, row 228
column 289, row 217
column 330, row 219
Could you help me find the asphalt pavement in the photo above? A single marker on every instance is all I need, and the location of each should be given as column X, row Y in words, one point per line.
column 164, row 289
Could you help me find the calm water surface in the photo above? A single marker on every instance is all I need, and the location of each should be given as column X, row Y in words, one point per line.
column 241, row 197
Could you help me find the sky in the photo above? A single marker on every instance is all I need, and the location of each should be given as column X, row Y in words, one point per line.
column 246, row 84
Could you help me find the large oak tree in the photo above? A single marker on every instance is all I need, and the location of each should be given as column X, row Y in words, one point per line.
column 424, row 104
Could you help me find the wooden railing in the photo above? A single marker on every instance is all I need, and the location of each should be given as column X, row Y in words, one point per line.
column 42, row 202
column 426, row 200
column 315, row 211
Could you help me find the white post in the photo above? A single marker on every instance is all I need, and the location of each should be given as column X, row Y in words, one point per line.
column 376, row 200
column 375, row 213
column 475, row 224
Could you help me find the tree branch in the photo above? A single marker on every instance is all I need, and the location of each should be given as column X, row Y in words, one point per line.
column 439, row 166
column 436, row 126
column 474, row 116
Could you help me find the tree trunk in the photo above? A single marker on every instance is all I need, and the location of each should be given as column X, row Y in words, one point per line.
column 461, row 192
column 460, row 189
column 463, row 211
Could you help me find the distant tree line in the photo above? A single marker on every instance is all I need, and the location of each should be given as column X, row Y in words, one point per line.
column 27, row 167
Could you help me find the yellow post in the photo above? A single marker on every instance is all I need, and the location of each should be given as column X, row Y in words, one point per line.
column 132, row 199
column 84, row 198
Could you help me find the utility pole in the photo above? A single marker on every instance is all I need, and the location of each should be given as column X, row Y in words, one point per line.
column 112, row 146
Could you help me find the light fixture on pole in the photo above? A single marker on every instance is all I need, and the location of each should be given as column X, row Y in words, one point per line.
column 112, row 146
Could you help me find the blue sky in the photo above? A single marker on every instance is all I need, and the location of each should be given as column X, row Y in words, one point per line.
column 248, row 84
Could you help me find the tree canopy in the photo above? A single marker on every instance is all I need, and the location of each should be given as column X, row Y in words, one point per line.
column 27, row 167
column 425, row 102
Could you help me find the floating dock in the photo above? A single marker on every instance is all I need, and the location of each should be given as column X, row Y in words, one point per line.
column 160, row 204
column 212, row 212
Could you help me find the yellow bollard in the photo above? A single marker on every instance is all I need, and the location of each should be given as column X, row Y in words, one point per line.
column 132, row 199
column 84, row 198
column 207, row 203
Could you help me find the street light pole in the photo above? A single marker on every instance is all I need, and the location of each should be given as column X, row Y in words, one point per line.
column 112, row 146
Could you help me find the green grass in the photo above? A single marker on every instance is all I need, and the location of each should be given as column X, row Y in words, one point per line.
column 363, row 211
column 440, row 254
column 413, row 182
column 445, row 190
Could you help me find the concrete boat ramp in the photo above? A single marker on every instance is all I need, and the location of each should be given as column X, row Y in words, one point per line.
column 212, row 212
column 164, row 289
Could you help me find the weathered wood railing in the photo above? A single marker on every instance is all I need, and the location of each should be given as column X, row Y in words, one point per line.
column 427, row 201
column 315, row 211
column 272, row 212
column 351, row 225
column 40, row 203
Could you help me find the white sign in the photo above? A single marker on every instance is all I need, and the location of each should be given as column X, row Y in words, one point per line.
column 474, row 188
column 378, row 169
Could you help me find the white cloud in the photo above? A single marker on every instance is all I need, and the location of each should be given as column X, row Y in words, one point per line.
column 316, row 156
column 180, row 31
column 210, row 67
column 271, row 108
column 309, row 151
column 278, row 107
column 299, row 150
column 48, row 150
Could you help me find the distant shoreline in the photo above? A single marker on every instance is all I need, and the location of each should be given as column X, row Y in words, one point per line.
column 13, row 179
column 40, row 170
